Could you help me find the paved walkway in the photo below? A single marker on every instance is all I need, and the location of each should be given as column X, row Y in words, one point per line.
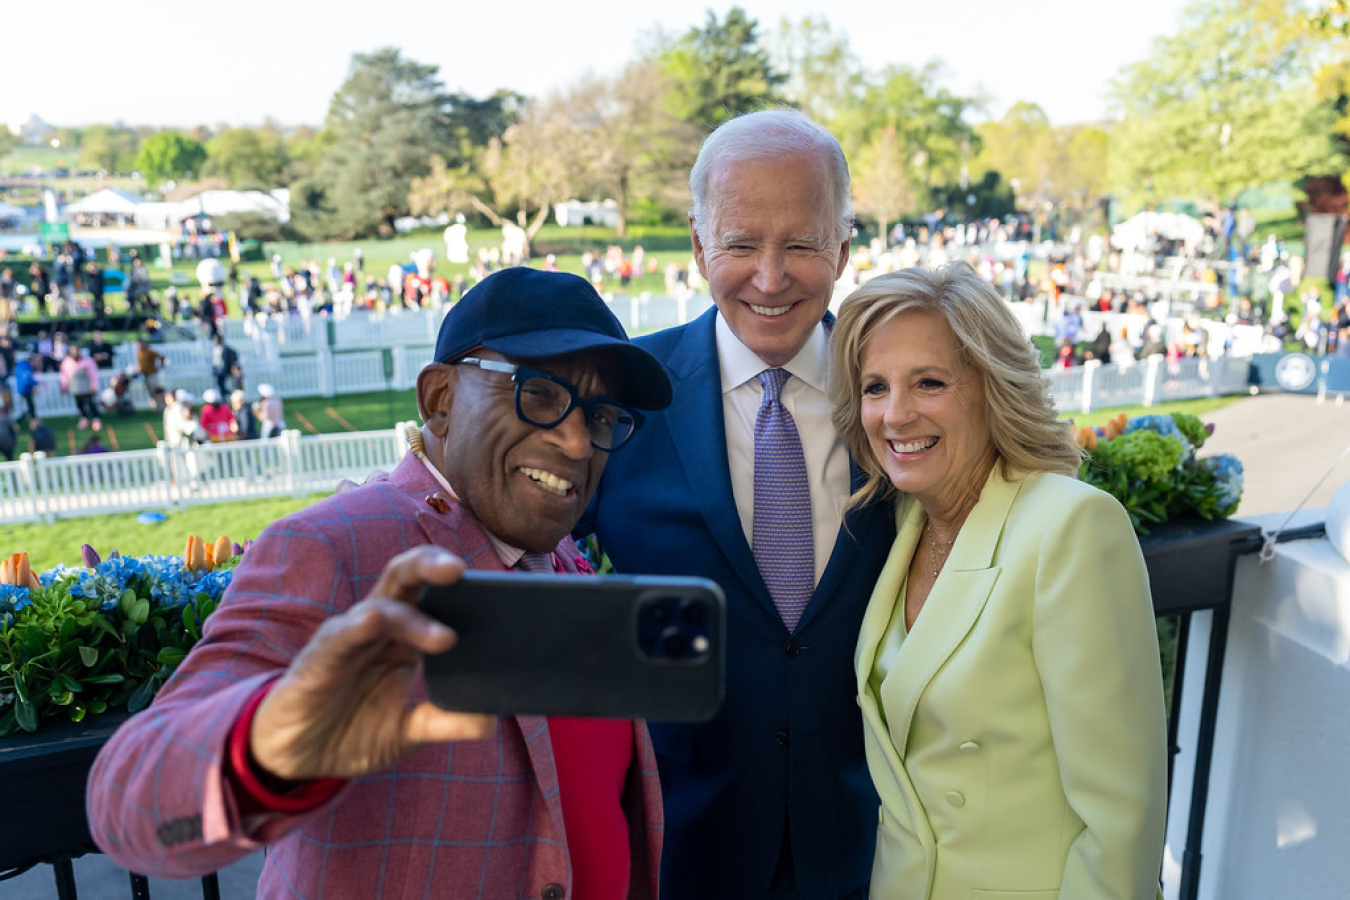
column 1286, row 443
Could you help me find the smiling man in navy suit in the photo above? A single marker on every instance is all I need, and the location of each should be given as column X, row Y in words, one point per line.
column 771, row 798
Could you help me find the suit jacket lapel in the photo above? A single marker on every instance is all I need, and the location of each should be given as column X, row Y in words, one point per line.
column 952, row 608
column 854, row 527
column 699, row 435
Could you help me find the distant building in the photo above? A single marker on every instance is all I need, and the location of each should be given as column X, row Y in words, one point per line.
column 32, row 132
column 577, row 213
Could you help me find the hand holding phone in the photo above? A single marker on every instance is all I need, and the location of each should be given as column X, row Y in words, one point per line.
column 623, row 647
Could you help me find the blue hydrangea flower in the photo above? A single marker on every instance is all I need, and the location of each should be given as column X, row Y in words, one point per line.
column 13, row 598
column 1227, row 471
column 213, row 584
column 1163, row 425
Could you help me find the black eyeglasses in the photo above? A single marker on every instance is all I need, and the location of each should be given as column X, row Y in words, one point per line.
column 544, row 400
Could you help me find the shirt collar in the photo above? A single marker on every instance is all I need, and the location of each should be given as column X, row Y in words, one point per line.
column 740, row 364
column 508, row 554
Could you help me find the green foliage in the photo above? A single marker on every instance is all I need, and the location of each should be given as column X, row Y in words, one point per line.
column 1224, row 105
column 1153, row 470
column 93, row 639
column 904, row 135
column 246, row 157
column 169, row 154
column 387, row 120
column 823, row 74
column 108, row 148
column 720, row 71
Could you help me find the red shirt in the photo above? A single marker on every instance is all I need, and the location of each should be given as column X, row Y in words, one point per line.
column 593, row 757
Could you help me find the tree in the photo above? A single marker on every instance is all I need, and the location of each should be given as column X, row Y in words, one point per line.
column 885, row 187
column 1224, row 105
column 169, row 154
column 245, row 157
column 823, row 75
column 902, row 120
column 108, row 148
column 603, row 139
column 626, row 143
column 516, row 178
column 387, row 120
column 720, row 71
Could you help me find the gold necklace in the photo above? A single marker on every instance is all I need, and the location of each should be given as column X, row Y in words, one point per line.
column 939, row 555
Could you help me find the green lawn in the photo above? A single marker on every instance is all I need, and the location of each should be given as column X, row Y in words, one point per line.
column 1198, row 407
column 50, row 545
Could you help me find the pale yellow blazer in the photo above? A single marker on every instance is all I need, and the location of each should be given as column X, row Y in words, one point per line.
column 1022, row 753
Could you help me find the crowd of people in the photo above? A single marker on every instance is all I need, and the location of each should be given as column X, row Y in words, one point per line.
column 942, row 676
column 99, row 388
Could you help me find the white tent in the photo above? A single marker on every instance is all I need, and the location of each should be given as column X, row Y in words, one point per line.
column 105, row 202
column 10, row 212
column 1146, row 228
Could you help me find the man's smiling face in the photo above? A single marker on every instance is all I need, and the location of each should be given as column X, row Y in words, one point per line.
column 769, row 250
column 526, row 485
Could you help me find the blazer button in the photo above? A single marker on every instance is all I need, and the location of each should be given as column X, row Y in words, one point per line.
column 794, row 649
column 781, row 738
column 969, row 747
column 955, row 799
column 552, row 892
column 857, row 698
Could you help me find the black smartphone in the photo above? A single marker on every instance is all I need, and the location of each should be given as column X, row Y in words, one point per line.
column 613, row 647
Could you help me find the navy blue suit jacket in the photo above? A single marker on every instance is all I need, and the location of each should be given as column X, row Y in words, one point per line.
column 789, row 736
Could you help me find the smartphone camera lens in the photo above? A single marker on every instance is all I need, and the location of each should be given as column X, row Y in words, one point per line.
column 675, row 644
column 694, row 612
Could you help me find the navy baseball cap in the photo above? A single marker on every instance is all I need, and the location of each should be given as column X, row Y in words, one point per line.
column 531, row 315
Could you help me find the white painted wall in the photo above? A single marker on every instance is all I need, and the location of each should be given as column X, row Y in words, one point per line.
column 1278, row 820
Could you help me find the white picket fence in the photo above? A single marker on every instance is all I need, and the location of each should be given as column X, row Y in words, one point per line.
column 1146, row 383
column 37, row 488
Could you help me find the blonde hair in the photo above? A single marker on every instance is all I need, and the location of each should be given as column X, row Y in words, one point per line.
column 1023, row 422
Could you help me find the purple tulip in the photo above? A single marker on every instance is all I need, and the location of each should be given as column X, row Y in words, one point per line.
column 89, row 556
column 1209, row 428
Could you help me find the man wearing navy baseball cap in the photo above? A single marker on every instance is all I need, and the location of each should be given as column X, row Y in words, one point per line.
column 299, row 722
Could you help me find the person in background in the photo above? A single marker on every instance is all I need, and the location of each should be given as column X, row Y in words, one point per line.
column 771, row 798
column 150, row 363
column 271, row 415
column 300, row 723
column 9, row 435
column 217, row 418
column 225, row 365
column 40, row 437
column 25, row 383
column 1007, row 666
column 245, row 419
column 8, row 293
column 94, row 445
column 79, row 378
column 100, row 351
column 173, row 416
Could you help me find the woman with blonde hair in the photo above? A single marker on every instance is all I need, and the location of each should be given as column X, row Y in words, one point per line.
column 1017, row 743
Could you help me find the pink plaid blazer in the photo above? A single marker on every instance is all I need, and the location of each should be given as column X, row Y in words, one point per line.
column 480, row 819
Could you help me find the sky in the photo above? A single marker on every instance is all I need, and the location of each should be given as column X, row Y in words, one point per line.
column 184, row 64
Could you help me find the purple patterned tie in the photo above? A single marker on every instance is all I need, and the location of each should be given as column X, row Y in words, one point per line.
column 781, row 538
column 536, row 562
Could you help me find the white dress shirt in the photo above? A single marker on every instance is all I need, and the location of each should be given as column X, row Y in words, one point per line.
column 804, row 396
